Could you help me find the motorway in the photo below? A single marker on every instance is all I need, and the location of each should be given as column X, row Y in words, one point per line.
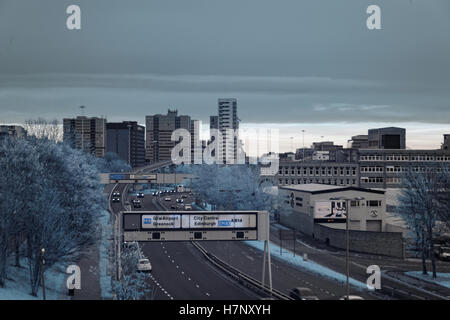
column 181, row 272
column 179, row 269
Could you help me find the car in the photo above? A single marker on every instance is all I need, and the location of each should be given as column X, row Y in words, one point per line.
column 350, row 297
column 180, row 200
column 144, row 265
column 140, row 195
column 301, row 293
column 442, row 252
column 187, row 207
column 115, row 199
column 173, row 207
column 184, row 196
column 131, row 245
column 136, row 203
column 116, row 194
column 167, row 199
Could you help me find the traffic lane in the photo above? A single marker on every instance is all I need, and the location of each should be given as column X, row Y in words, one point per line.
column 284, row 276
column 358, row 267
column 170, row 282
column 243, row 258
column 219, row 286
column 313, row 247
column 184, row 275
column 181, row 272
column 173, row 200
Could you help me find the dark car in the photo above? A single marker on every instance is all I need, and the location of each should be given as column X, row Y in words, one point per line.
column 300, row 293
column 173, row 207
column 184, row 196
column 136, row 203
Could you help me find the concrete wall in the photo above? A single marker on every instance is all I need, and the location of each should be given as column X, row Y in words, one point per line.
column 297, row 221
column 383, row 243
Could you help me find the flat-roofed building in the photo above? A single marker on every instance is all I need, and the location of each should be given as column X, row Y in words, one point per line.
column 387, row 138
column 312, row 204
column 86, row 133
column 384, row 168
column 12, row 131
column 127, row 140
column 321, row 172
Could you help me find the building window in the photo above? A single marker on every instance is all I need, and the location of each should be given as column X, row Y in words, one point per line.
column 373, row 203
column 354, row 203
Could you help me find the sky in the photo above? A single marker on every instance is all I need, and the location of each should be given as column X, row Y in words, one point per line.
column 293, row 65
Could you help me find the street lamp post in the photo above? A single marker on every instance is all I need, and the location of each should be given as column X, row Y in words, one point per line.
column 42, row 272
column 303, row 137
column 347, row 236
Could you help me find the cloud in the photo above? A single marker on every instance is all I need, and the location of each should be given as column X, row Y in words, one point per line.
column 260, row 99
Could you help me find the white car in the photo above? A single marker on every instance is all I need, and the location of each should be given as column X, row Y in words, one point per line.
column 144, row 265
column 167, row 199
column 350, row 297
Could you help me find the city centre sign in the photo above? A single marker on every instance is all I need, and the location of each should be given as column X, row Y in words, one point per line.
column 199, row 221
column 194, row 225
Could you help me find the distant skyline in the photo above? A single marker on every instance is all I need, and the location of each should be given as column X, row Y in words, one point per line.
column 291, row 64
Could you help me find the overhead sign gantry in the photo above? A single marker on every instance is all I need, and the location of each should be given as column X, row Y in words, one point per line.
column 194, row 225
column 148, row 226
column 159, row 178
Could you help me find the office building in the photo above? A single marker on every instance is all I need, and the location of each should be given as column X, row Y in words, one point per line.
column 325, row 146
column 373, row 168
column 359, row 142
column 159, row 129
column 214, row 122
column 321, row 211
column 317, row 172
column 312, row 205
column 86, row 133
column 12, row 131
column 228, row 124
column 446, row 143
column 387, row 138
column 127, row 140
column 384, row 168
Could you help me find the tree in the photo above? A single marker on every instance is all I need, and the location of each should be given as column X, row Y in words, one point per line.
column 421, row 205
column 19, row 168
column 50, row 197
column 132, row 285
column 211, row 179
column 41, row 128
column 112, row 163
